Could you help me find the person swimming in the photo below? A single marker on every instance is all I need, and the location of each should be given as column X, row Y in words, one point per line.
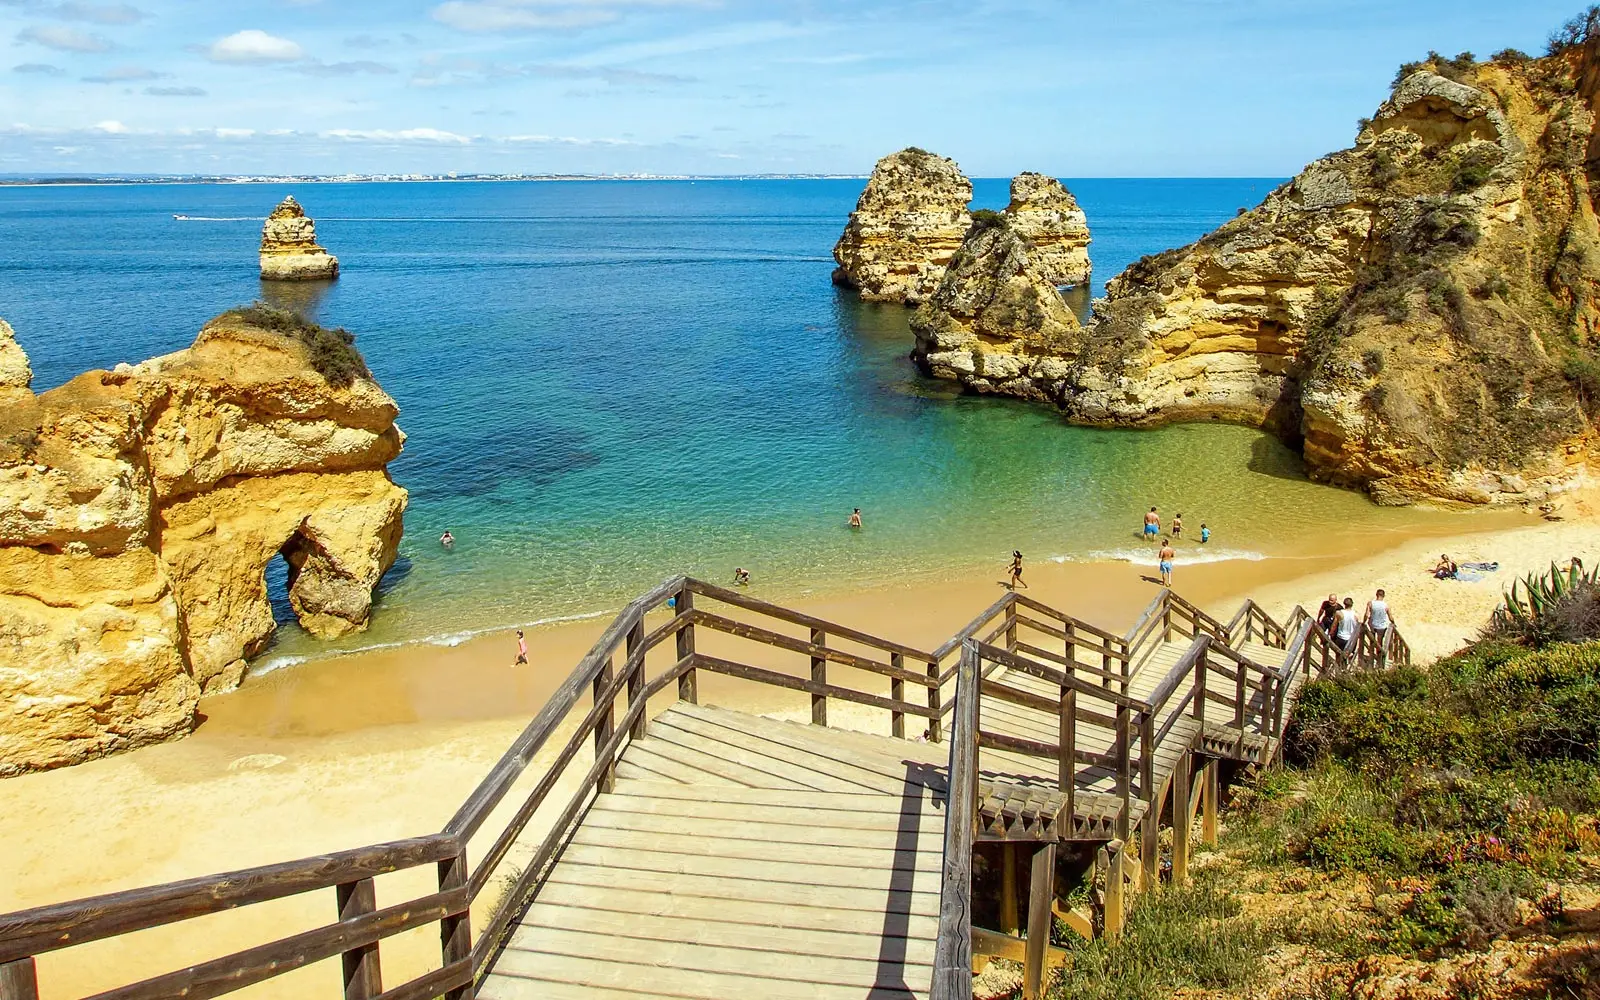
column 447, row 540
column 855, row 518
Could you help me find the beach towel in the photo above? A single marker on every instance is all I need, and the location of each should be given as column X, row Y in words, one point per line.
column 1482, row 567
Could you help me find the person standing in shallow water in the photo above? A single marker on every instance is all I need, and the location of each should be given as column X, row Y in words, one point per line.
column 855, row 518
column 1016, row 571
column 522, row 650
column 1152, row 525
column 1166, row 555
column 1177, row 525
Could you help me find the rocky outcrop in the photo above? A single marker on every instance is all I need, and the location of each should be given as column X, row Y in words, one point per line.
column 16, row 375
column 1418, row 312
column 1044, row 212
column 996, row 321
column 906, row 226
column 289, row 250
column 138, row 511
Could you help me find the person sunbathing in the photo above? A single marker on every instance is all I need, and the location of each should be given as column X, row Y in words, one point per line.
column 1445, row 570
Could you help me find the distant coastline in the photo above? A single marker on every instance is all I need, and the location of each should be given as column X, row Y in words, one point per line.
column 42, row 180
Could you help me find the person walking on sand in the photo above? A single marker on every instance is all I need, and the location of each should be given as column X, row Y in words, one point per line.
column 1016, row 571
column 1378, row 620
column 522, row 650
column 1166, row 555
column 855, row 518
column 1152, row 525
column 1177, row 525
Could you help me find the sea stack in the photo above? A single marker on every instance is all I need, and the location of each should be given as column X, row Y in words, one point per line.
column 1044, row 212
column 907, row 224
column 140, row 507
column 996, row 323
column 289, row 250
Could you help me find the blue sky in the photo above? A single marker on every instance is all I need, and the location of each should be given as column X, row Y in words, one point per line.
column 1075, row 89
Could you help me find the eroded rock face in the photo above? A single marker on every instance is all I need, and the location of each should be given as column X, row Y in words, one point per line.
column 996, row 322
column 289, row 250
column 906, row 226
column 1416, row 311
column 1045, row 213
column 138, row 511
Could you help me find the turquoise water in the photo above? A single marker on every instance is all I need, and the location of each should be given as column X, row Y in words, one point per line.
column 604, row 383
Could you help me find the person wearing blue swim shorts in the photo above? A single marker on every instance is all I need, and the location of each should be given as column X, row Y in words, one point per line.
column 1152, row 525
column 1166, row 555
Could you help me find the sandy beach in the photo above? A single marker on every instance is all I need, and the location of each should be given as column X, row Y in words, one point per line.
column 386, row 744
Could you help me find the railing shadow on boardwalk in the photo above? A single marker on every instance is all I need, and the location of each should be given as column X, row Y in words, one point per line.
column 1119, row 710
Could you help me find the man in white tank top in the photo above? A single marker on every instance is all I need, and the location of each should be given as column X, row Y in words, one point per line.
column 1378, row 622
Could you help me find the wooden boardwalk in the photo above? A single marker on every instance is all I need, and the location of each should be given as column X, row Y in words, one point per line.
column 652, row 845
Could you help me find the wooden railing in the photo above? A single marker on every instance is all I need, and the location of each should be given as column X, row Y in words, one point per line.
column 952, row 956
column 587, row 724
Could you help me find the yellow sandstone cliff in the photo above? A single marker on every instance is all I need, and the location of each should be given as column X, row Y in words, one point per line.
column 1419, row 312
column 139, row 509
column 289, row 248
column 906, row 226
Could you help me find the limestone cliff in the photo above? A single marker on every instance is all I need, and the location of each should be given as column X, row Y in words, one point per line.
column 139, row 509
column 996, row 321
column 1045, row 213
column 1418, row 311
column 289, row 250
column 906, row 226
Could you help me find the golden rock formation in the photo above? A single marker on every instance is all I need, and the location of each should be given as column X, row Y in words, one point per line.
column 289, row 250
column 1045, row 213
column 906, row 226
column 138, row 511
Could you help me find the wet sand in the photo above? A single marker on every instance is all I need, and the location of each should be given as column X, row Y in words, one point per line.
column 386, row 744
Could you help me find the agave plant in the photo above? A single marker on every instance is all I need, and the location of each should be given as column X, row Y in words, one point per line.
column 1541, row 608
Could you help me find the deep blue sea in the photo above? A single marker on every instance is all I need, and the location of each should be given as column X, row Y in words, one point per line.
column 607, row 382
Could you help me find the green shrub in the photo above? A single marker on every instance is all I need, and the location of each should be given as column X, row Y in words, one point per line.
column 985, row 219
column 332, row 353
column 1511, row 57
column 1583, row 371
column 1544, row 608
column 1473, row 170
column 1344, row 843
column 1385, row 168
column 1458, row 69
column 1574, row 32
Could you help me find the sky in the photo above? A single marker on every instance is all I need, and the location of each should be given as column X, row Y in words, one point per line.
column 1113, row 88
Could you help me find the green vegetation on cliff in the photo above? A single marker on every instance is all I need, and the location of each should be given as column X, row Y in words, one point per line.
column 331, row 352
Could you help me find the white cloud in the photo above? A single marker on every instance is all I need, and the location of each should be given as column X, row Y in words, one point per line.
column 124, row 74
column 233, row 133
column 253, row 46
column 175, row 91
column 64, row 39
column 566, row 140
column 316, row 67
column 113, row 128
column 403, row 135
column 469, row 15
column 39, row 69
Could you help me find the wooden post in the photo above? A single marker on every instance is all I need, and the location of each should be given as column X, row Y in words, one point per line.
column 819, row 674
column 1123, row 750
column 362, row 980
column 19, row 980
column 1166, row 619
column 1127, row 666
column 1114, row 892
column 1208, row 804
column 935, row 724
column 688, row 689
column 897, row 691
column 605, row 725
column 1180, row 820
column 455, row 933
column 1150, row 846
column 1241, row 697
column 1071, row 650
column 1067, row 763
column 1041, row 897
column 636, row 678
column 1202, row 665
column 1008, row 887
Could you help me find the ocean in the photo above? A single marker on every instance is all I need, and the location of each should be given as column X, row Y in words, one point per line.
column 604, row 383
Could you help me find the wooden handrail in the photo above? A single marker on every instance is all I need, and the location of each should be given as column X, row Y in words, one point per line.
column 971, row 629
column 1149, row 613
column 1064, row 679
column 952, row 955
column 1066, row 619
column 1163, row 691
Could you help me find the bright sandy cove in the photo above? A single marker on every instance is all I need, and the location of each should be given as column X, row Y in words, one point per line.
column 386, row 744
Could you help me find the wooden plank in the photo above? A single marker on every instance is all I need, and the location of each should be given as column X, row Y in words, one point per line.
column 836, row 876
column 779, row 679
column 661, row 956
column 863, row 942
column 728, row 846
column 952, row 972
column 535, row 972
column 823, row 830
column 362, row 977
column 59, row 925
column 643, row 754
column 768, row 799
column 707, row 757
column 19, row 979
column 1041, row 897
column 783, row 614
column 440, row 982
column 816, row 648
column 688, row 682
column 920, row 897
column 801, row 768
column 254, row 965
column 867, row 918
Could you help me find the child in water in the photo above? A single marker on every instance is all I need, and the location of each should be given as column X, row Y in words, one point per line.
column 1205, row 533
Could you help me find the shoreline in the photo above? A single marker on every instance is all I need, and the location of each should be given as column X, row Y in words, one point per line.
column 368, row 747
